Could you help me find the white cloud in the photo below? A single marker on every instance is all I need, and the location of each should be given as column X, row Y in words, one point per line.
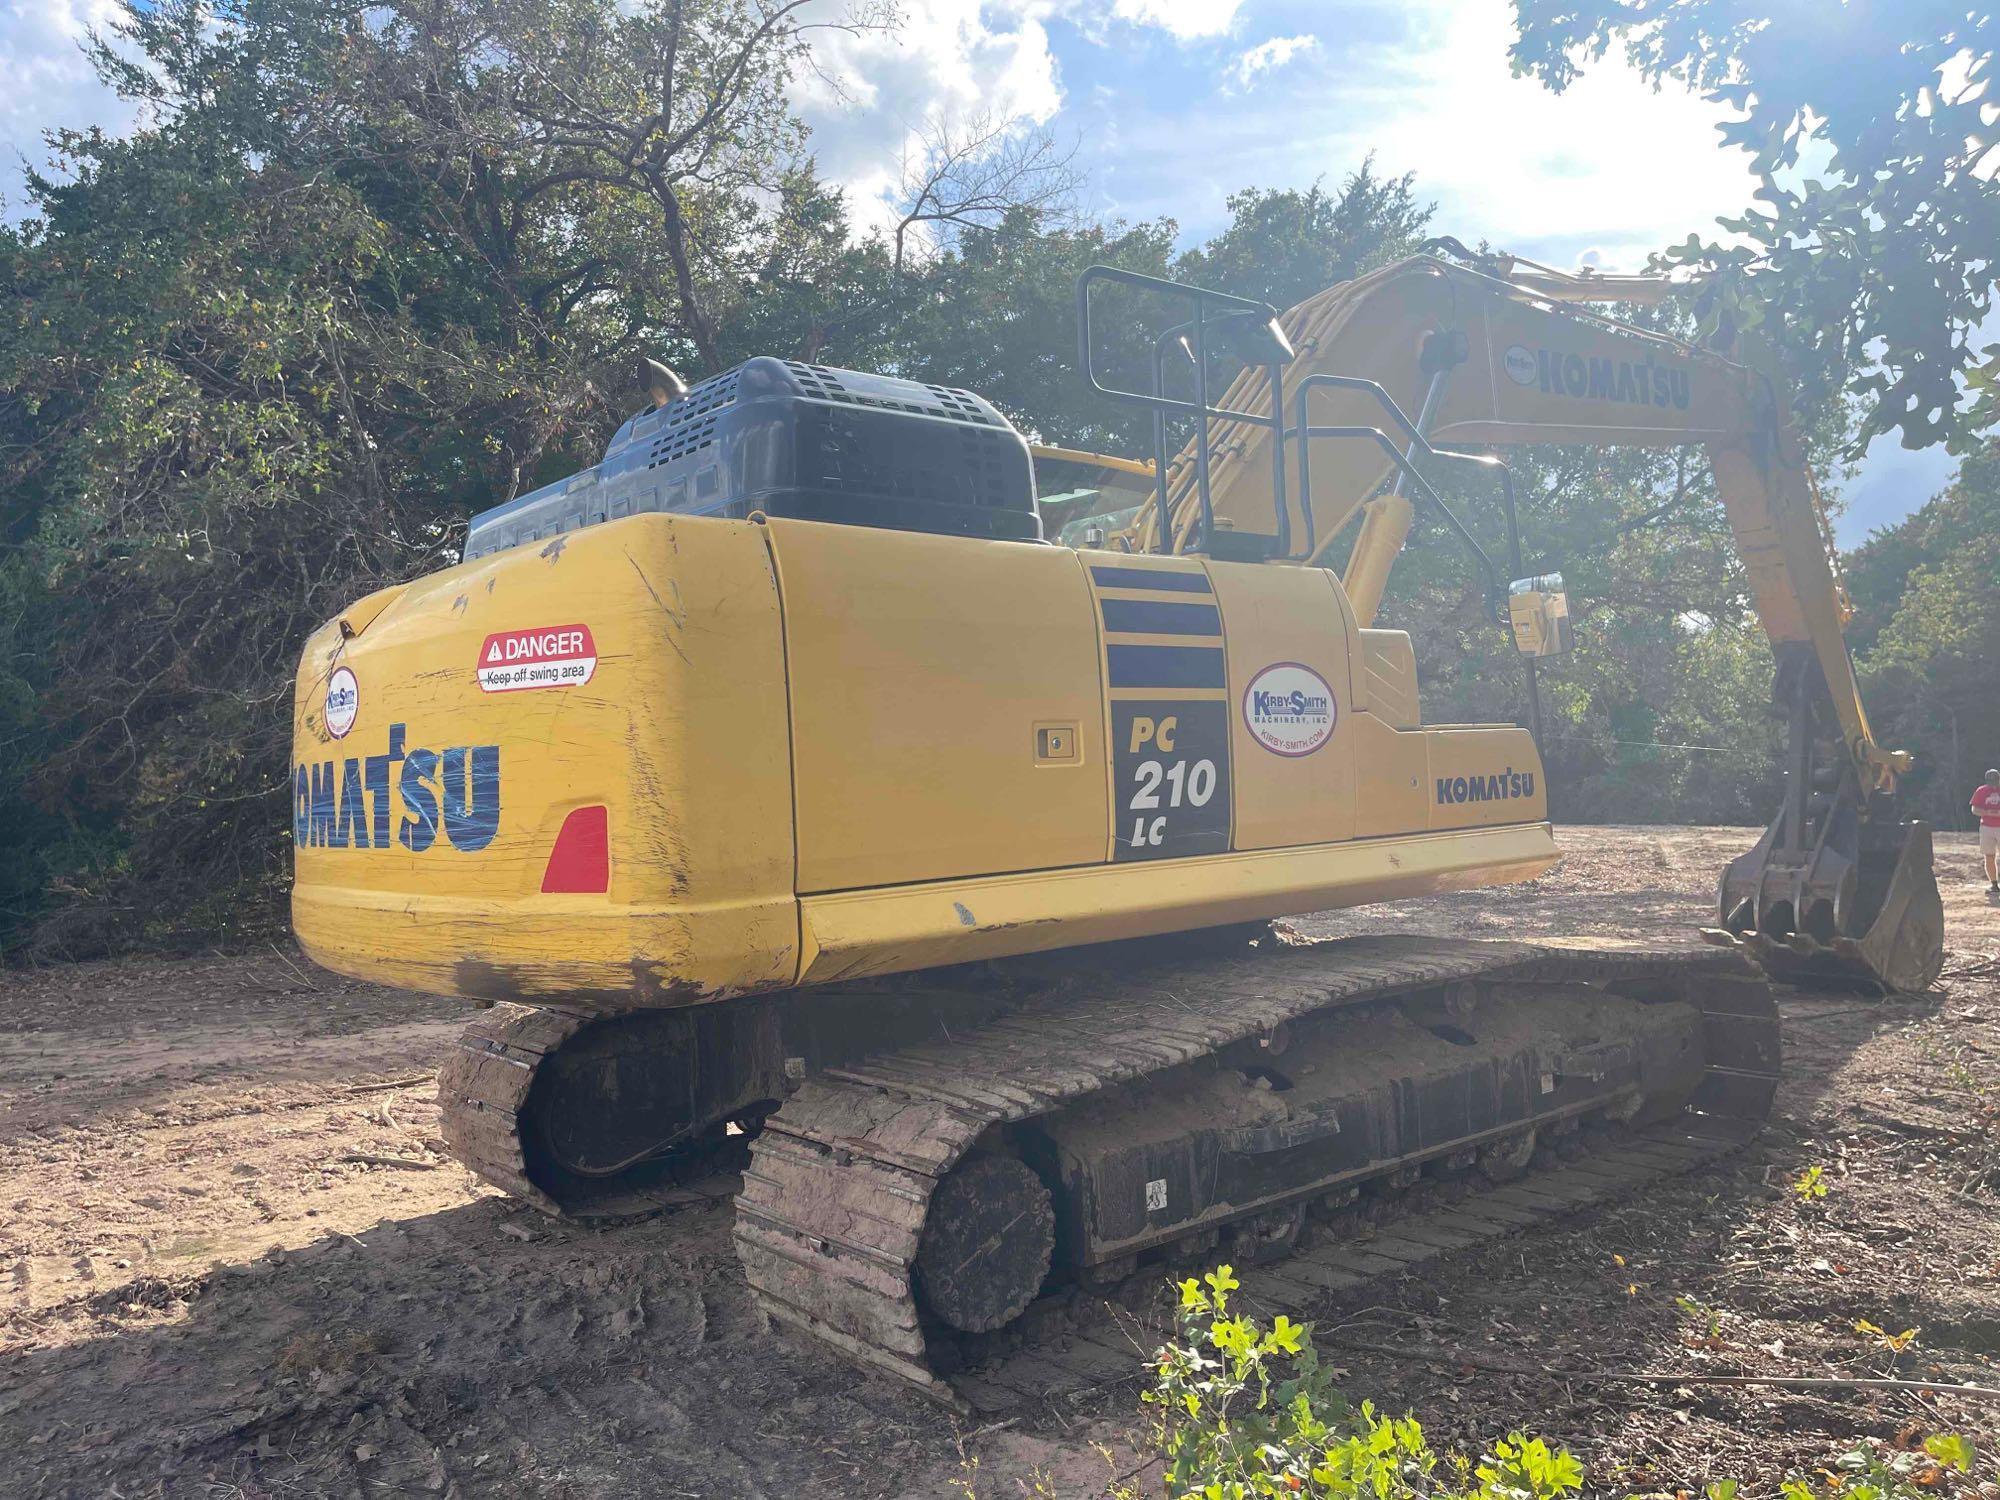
column 949, row 61
column 1611, row 165
column 1184, row 20
column 45, row 82
column 1267, row 57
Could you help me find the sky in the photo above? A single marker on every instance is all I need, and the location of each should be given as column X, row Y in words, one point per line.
column 1174, row 104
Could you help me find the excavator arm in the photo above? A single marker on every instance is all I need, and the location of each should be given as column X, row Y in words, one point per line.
column 1502, row 353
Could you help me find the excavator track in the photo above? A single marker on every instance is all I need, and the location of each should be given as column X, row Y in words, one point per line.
column 1076, row 1343
column 483, row 1092
column 835, row 1219
column 488, row 1122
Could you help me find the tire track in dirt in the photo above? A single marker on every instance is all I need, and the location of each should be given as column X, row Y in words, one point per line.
column 289, row 1322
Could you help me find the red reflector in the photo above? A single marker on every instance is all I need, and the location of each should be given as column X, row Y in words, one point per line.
column 581, row 859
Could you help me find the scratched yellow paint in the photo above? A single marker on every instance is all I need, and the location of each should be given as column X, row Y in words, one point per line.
column 816, row 748
column 680, row 732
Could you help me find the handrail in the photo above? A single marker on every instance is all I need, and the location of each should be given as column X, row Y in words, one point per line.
column 1496, row 595
column 1496, row 601
column 1201, row 299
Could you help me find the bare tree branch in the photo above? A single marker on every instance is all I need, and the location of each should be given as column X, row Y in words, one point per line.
column 971, row 174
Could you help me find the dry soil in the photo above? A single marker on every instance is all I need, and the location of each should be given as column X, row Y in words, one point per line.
column 234, row 1260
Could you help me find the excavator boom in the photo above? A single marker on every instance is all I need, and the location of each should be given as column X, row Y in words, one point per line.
column 1504, row 353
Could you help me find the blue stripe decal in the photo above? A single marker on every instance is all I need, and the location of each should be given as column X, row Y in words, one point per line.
column 1147, row 618
column 1151, row 578
column 1165, row 666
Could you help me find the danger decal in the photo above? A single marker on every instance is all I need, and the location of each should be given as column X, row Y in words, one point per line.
column 1289, row 709
column 552, row 656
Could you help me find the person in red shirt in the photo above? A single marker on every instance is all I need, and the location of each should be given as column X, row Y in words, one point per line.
column 1986, row 808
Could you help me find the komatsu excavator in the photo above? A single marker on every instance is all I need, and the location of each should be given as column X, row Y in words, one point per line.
column 772, row 776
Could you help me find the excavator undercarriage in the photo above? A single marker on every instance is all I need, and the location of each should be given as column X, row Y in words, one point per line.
column 1073, row 1123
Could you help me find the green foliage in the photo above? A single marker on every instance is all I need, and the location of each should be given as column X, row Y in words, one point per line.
column 1709, row 1319
column 1927, row 638
column 997, row 314
column 356, row 277
column 1283, row 245
column 1869, row 129
column 1809, row 1187
column 1952, row 1450
column 1242, row 1410
column 1867, row 1473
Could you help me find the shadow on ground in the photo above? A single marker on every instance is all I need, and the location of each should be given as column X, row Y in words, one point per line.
column 477, row 1350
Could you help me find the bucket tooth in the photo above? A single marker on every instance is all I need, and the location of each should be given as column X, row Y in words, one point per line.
column 1901, row 951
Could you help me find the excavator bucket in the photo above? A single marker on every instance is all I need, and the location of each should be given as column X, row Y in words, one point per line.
column 1904, row 946
column 1839, row 889
column 1881, row 929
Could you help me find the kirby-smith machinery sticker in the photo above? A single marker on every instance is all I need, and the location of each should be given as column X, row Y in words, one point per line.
column 343, row 702
column 1289, row 709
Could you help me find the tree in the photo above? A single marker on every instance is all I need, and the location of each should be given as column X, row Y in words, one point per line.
column 996, row 311
column 362, row 270
column 1659, row 715
column 1283, row 245
column 1872, row 130
column 681, row 103
column 1927, row 636
column 262, row 356
column 974, row 174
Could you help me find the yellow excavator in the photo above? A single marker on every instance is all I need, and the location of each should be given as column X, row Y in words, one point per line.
column 778, row 780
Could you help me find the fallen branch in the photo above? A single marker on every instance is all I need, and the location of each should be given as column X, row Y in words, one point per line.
column 1978, row 968
column 385, row 1161
column 393, row 1083
column 303, row 978
column 1447, row 1357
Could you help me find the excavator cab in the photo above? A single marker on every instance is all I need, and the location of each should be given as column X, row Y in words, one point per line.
column 1089, row 500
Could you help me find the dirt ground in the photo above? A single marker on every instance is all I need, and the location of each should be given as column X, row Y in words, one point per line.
column 235, row 1261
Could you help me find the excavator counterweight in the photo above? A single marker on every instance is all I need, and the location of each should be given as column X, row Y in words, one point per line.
column 775, row 779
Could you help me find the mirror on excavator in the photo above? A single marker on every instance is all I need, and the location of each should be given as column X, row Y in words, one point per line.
column 1538, row 610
